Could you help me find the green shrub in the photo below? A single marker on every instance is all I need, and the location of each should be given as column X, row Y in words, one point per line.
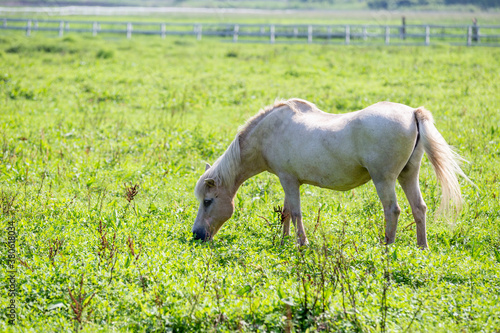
column 104, row 54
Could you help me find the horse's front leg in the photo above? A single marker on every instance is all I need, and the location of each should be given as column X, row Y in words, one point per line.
column 291, row 208
column 285, row 221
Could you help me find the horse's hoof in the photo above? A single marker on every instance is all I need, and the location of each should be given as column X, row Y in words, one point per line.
column 389, row 241
column 302, row 243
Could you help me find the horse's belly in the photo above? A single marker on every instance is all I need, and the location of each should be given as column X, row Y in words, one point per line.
column 339, row 181
column 319, row 168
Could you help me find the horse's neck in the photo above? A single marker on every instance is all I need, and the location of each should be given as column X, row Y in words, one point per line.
column 251, row 164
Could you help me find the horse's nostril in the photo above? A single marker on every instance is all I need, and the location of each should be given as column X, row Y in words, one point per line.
column 201, row 234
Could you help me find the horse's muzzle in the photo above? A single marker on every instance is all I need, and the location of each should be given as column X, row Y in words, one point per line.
column 201, row 234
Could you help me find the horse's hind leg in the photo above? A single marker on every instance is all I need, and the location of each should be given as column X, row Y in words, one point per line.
column 409, row 182
column 418, row 207
column 387, row 194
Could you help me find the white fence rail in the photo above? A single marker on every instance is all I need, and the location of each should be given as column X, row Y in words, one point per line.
column 483, row 35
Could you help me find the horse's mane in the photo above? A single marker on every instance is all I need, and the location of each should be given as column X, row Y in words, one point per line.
column 224, row 169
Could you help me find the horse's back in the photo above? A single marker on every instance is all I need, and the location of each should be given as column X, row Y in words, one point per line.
column 381, row 114
column 388, row 113
column 383, row 123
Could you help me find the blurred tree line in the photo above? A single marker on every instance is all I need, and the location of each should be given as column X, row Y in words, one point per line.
column 392, row 4
column 358, row 4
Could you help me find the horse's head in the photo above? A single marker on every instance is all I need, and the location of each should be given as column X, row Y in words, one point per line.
column 216, row 206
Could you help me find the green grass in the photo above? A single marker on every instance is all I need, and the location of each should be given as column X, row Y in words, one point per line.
column 84, row 119
column 325, row 17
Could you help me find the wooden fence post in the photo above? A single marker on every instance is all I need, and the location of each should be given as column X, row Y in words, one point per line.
column 129, row 30
column 199, row 32
column 28, row 28
column 365, row 34
column 427, row 35
column 347, row 35
column 162, row 30
column 309, row 34
column 61, row 29
column 271, row 34
column 295, row 32
column 94, row 29
column 235, row 33
column 4, row 22
column 475, row 31
column 387, row 35
column 469, row 35
column 403, row 28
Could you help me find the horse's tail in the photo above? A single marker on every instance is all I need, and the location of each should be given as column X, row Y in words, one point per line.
column 445, row 161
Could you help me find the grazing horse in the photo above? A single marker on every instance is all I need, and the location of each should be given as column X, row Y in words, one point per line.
column 303, row 145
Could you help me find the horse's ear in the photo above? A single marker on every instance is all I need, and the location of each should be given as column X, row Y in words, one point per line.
column 210, row 182
column 207, row 166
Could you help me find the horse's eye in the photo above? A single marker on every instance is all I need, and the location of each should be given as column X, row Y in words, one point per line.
column 207, row 202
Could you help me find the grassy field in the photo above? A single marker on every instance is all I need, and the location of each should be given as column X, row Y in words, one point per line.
column 102, row 141
column 368, row 17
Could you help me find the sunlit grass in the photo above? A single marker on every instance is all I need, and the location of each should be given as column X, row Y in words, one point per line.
column 84, row 120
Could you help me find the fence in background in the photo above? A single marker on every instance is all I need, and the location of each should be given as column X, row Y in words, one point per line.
column 483, row 35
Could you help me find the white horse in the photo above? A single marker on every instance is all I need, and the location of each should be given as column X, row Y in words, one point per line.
column 303, row 145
